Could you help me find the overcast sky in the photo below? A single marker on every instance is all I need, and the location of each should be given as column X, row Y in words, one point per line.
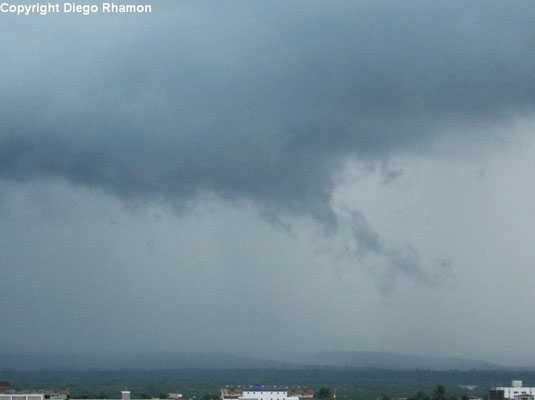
column 270, row 176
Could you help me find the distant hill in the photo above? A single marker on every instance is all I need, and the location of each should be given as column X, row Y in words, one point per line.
column 370, row 359
column 133, row 361
column 335, row 359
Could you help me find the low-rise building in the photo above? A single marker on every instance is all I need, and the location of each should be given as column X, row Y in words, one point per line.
column 30, row 394
column 302, row 393
column 266, row 393
column 517, row 391
column 22, row 396
column 231, row 393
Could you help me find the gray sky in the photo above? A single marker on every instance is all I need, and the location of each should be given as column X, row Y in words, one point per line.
column 269, row 176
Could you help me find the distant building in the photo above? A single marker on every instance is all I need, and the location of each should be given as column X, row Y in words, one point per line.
column 22, row 396
column 30, row 394
column 524, row 396
column 263, row 393
column 514, row 392
column 302, row 393
column 266, row 393
column 231, row 393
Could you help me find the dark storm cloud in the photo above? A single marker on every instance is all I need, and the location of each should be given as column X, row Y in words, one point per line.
column 263, row 101
column 284, row 109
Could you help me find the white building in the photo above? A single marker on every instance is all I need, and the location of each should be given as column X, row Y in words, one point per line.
column 515, row 391
column 262, row 393
column 22, row 396
column 266, row 393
